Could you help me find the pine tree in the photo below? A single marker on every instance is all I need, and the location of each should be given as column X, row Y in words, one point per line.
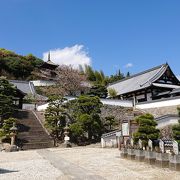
column 147, row 129
column 110, row 121
column 55, row 119
column 128, row 74
column 176, row 130
column 7, row 91
column 98, row 90
column 86, row 112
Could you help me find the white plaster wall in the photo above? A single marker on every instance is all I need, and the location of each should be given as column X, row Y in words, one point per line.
column 163, row 103
column 42, row 107
column 43, row 83
column 104, row 101
column 168, row 121
column 113, row 102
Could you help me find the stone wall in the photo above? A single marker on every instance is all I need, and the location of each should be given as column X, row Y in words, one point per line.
column 161, row 111
column 120, row 113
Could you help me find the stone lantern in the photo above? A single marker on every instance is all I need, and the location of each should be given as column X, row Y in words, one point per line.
column 13, row 134
column 66, row 137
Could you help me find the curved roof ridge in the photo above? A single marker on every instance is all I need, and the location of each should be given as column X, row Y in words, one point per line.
column 31, row 86
column 138, row 74
column 157, row 75
column 19, row 81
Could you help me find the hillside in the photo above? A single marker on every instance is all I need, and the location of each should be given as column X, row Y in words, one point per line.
column 15, row 66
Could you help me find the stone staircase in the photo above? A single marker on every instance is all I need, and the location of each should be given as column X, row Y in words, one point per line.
column 31, row 134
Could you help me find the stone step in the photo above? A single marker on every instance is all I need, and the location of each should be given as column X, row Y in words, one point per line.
column 35, row 140
column 40, row 133
column 32, row 138
column 31, row 134
column 37, row 145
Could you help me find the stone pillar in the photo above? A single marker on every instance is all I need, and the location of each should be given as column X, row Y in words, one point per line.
column 150, row 157
column 123, row 153
column 162, row 160
column 131, row 154
column 103, row 143
column 140, row 154
column 174, row 162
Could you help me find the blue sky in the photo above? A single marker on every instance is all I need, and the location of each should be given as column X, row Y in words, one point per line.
column 109, row 33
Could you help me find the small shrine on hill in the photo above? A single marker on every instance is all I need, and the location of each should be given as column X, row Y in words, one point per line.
column 46, row 71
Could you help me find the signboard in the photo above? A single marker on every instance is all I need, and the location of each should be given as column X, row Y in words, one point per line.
column 161, row 145
column 66, row 138
column 150, row 145
column 175, row 147
column 118, row 134
column 140, row 144
column 125, row 129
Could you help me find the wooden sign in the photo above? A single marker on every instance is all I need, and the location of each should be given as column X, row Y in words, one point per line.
column 125, row 129
column 161, row 145
column 140, row 144
column 175, row 147
column 150, row 145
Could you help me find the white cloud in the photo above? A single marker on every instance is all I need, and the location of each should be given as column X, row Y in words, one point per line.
column 74, row 56
column 128, row 65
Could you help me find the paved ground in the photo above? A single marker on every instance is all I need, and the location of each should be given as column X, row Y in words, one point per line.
column 77, row 164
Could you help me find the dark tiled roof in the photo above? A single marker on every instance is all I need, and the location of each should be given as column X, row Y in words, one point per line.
column 175, row 91
column 139, row 81
column 26, row 87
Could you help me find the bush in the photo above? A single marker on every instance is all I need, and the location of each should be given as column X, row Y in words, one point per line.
column 147, row 129
column 7, row 125
column 176, row 130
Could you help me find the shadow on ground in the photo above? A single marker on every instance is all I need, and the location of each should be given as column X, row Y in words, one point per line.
column 3, row 171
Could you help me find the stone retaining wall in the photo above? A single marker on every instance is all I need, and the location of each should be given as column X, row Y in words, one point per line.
column 161, row 111
column 120, row 113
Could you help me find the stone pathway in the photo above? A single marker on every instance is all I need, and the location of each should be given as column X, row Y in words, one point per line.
column 80, row 163
column 70, row 170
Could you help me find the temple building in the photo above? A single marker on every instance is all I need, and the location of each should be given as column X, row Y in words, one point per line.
column 46, row 73
column 156, row 83
column 47, row 70
column 23, row 89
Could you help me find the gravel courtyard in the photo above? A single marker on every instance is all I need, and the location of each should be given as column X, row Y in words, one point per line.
column 82, row 163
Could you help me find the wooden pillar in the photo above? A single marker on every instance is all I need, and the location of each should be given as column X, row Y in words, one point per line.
column 134, row 101
column 21, row 103
column 145, row 95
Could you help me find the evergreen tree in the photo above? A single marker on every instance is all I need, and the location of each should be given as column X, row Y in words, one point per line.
column 112, row 92
column 98, row 90
column 147, row 129
column 55, row 119
column 7, row 91
column 16, row 66
column 86, row 112
column 110, row 122
column 90, row 73
column 5, row 129
column 176, row 130
column 113, row 78
column 128, row 74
